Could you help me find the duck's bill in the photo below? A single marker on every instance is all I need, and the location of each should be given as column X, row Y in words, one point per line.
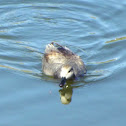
column 63, row 82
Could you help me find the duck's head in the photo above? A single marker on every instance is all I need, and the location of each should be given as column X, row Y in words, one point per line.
column 67, row 72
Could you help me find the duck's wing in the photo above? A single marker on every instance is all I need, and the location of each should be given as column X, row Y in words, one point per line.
column 57, row 53
column 54, row 57
column 52, row 62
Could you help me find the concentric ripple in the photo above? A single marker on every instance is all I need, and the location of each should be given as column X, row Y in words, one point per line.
column 26, row 28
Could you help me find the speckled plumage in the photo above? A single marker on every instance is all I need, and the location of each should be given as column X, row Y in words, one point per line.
column 58, row 59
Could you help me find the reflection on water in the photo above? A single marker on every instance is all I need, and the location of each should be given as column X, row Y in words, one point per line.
column 14, row 56
column 12, row 68
column 95, row 30
column 102, row 62
column 116, row 39
column 66, row 94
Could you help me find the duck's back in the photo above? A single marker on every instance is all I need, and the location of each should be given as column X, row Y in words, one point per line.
column 55, row 57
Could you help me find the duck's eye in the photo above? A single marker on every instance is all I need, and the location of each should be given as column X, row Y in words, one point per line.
column 70, row 70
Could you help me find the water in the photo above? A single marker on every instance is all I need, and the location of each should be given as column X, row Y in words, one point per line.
column 95, row 30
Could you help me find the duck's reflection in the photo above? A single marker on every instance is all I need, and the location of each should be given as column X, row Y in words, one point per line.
column 66, row 94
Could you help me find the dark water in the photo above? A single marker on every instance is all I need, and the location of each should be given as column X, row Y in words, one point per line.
column 95, row 30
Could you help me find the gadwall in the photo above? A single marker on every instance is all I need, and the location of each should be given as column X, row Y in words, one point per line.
column 61, row 62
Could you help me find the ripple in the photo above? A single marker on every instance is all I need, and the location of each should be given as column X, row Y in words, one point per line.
column 116, row 39
column 93, row 34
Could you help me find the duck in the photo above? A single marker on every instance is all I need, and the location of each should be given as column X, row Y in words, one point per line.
column 61, row 63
